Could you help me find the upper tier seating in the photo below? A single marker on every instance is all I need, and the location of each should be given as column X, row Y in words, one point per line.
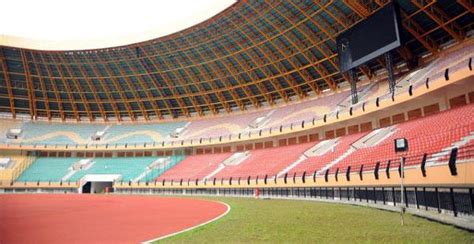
column 57, row 133
column 377, row 90
column 219, row 126
column 307, row 110
column 454, row 60
column 145, row 133
column 362, row 91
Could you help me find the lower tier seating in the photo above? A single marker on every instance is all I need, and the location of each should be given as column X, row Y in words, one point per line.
column 263, row 162
column 47, row 169
column 129, row 168
column 195, row 167
column 317, row 163
column 428, row 135
column 466, row 151
column 57, row 169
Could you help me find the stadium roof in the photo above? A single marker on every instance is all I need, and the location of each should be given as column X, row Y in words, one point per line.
column 251, row 54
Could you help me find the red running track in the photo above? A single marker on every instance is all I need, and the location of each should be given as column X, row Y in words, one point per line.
column 74, row 218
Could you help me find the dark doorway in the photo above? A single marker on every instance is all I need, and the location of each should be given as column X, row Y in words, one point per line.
column 87, row 188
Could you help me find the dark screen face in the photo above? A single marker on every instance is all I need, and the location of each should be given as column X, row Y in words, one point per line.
column 344, row 51
column 377, row 32
column 376, row 35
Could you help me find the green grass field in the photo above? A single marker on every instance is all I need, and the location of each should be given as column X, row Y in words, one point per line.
column 252, row 221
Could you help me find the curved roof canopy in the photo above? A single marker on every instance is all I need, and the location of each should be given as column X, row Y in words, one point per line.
column 251, row 54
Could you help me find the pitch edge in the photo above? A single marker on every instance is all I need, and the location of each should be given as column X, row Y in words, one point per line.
column 192, row 227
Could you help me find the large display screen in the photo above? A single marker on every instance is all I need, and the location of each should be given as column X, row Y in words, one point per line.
column 370, row 38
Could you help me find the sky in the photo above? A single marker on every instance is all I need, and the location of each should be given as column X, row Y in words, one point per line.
column 64, row 20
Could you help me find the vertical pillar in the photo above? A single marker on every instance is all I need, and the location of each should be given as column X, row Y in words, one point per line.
column 383, row 195
column 353, row 80
column 391, row 79
column 471, row 196
column 453, row 202
column 438, row 200
column 416, row 198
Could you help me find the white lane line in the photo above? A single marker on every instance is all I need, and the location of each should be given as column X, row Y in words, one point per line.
column 193, row 227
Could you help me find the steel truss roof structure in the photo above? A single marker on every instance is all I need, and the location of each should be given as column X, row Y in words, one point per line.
column 250, row 55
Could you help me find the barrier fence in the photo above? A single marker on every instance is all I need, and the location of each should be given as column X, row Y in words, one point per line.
column 449, row 200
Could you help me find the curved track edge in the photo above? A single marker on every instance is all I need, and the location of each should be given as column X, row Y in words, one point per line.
column 192, row 227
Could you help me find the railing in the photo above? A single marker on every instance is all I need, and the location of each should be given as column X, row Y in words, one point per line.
column 38, row 184
column 449, row 200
